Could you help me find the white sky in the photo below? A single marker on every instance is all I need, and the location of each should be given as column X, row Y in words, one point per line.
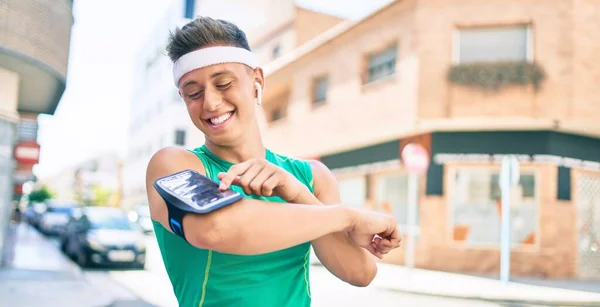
column 93, row 114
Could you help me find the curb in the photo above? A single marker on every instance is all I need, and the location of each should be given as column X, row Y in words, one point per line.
column 489, row 299
column 497, row 300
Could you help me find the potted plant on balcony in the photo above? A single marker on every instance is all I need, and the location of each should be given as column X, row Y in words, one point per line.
column 496, row 75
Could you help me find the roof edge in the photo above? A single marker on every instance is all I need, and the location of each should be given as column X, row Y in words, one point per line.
column 320, row 40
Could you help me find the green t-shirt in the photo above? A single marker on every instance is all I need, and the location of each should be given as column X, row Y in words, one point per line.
column 205, row 278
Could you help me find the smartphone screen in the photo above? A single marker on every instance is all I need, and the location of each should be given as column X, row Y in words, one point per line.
column 195, row 189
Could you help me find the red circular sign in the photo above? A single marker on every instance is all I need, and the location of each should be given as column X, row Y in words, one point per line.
column 415, row 158
column 27, row 152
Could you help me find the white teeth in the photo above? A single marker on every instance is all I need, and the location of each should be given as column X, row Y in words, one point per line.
column 221, row 119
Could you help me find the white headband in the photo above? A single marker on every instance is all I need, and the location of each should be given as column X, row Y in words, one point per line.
column 212, row 56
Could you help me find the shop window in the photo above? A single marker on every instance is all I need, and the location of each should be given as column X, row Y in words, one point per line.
column 477, row 203
column 353, row 191
column 391, row 195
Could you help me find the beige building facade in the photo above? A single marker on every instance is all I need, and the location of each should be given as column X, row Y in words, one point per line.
column 471, row 81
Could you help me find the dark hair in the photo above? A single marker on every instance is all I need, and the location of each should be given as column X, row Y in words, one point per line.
column 204, row 32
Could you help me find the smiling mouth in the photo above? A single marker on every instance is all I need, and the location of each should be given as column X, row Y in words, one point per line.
column 215, row 121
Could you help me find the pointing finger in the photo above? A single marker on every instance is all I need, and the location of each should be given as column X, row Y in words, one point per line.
column 234, row 172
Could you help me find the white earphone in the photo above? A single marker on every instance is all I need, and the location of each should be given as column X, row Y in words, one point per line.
column 258, row 93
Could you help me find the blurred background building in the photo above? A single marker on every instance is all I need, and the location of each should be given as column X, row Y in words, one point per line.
column 470, row 82
column 33, row 73
column 468, row 86
column 158, row 114
column 96, row 181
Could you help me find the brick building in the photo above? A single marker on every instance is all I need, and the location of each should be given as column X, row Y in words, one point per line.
column 471, row 81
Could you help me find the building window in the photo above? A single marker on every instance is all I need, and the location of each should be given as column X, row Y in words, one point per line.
column 391, row 195
column 493, row 44
column 382, row 64
column 353, row 191
column 188, row 11
column 320, row 90
column 477, row 206
column 180, row 137
column 276, row 52
column 27, row 129
column 278, row 113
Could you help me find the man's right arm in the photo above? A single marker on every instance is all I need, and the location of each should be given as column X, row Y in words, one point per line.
column 248, row 226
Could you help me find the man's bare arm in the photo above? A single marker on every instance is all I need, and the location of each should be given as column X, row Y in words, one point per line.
column 248, row 226
column 338, row 253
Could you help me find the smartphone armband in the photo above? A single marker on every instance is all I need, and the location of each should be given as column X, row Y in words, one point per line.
column 190, row 192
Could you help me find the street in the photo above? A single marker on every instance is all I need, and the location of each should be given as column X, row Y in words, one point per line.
column 152, row 286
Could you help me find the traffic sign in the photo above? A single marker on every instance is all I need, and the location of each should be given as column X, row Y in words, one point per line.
column 27, row 152
column 415, row 158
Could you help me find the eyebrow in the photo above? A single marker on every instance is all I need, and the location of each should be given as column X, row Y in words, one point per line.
column 220, row 73
column 214, row 75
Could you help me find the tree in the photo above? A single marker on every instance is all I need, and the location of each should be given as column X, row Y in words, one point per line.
column 101, row 196
column 40, row 195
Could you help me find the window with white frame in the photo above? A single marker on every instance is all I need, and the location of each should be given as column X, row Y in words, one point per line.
column 391, row 195
column 353, row 191
column 477, row 206
column 382, row 64
column 492, row 44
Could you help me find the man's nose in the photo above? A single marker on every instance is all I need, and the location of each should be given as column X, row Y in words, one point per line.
column 212, row 99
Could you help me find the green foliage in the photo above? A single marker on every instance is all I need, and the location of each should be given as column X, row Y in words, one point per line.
column 40, row 195
column 496, row 75
column 101, row 196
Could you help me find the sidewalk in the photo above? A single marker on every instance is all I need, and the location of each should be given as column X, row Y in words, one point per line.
column 418, row 281
column 36, row 273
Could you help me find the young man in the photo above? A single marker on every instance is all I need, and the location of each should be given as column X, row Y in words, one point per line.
column 256, row 251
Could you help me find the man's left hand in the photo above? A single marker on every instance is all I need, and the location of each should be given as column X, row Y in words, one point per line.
column 262, row 178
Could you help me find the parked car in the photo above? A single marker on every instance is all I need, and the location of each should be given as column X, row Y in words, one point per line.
column 141, row 216
column 54, row 219
column 103, row 236
column 33, row 214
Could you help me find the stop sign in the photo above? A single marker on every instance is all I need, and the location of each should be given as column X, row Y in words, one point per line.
column 415, row 158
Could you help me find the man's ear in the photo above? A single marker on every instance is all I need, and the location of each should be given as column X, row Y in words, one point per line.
column 259, row 77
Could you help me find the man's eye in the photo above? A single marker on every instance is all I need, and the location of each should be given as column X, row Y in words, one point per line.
column 194, row 95
column 224, row 86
